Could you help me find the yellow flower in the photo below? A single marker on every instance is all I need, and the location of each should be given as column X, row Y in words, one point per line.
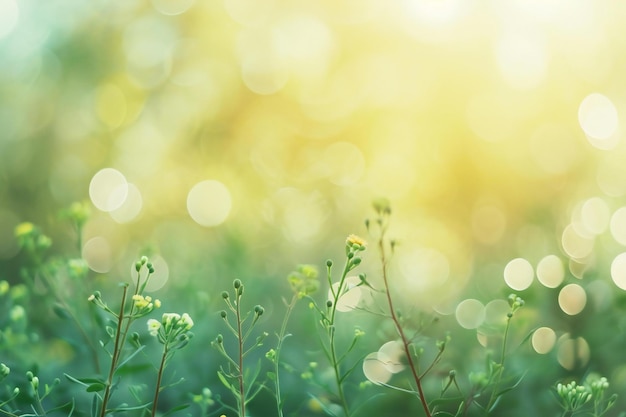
column 352, row 240
column 24, row 229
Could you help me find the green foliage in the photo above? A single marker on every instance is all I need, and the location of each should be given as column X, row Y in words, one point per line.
column 322, row 360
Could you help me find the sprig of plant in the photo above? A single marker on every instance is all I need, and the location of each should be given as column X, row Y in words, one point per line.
column 383, row 211
column 236, row 378
column 353, row 247
column 35, row 244
column 587, row 398
column 303, row 281
column 173, row 332
column 131, row 308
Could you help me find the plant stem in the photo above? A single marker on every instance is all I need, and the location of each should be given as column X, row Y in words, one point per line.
column 281, row 337
column 157, row 390
column 331, row 336
column 494, row 392
column 242, row 392
column 399, row 329
column 120, row 338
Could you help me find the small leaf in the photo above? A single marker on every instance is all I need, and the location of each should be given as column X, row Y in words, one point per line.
column 271, row 376
column 97, row 387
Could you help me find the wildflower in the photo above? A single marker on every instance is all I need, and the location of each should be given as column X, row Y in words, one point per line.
column 186, row 322
column 356, row 242
column 24, row 229
column 153, row 326
column 4, row 287
column 17, row 313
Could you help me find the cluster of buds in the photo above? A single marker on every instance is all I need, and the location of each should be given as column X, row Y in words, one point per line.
column 515, row 303
column 354, row 245
column 304, row 280
column 31, row 239
column 144, row 304
column 573, row 396
column 144, row 261
column 172, row 330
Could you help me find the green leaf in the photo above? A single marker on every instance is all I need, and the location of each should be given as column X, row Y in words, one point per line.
column 125, row 407
column 84, row 381
column 132, row 355
column 97, row 387
column 225, row 381
column 175, row 409
column 271, row 376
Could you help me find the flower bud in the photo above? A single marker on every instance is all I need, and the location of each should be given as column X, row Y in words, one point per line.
column 259, row 310
column 329, row 263
column 219, row 339
column 137, row 266
column 237, row 283
column 329, row 303
column 223, row 314
column 225, row 295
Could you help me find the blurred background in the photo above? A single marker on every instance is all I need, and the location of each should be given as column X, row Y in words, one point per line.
column 239, row 138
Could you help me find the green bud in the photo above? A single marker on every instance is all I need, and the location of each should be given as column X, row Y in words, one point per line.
column 29, row 376
column 259, row 310
column 219, row 339
column 144, row 260
column 4, row 370
column 356, row 261
column 35, row 383
column 237, row 283
column 329, row 263
column 225, row 295
column 329, row 303
column 137, row 266
column 223, row 314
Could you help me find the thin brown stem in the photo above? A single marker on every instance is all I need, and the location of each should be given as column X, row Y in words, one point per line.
column 399, row 329
column 157, row 390
column 116, row 354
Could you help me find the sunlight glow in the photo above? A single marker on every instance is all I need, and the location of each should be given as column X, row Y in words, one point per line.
column 209, row 203
column 9, row 17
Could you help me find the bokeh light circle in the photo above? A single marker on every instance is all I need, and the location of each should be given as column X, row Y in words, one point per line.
column 597, row 116
column 618, row 270
column 572, row 353
column 98, row 254
column 618, row 225
column 376, row 370
column 496, row 312
column 575, row 244
column 130, row 209
column 595, row 215
column 470, row 313
column 391, row 354
column 350, row 299
column 543, row 340
column 108, row 189
column 518, row 274
column 572, row 299
column 550, row 271
column 209, row 203
column 160, row 276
